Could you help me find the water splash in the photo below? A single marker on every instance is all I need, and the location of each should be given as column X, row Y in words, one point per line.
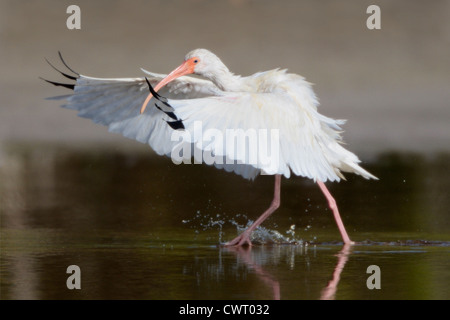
column 262, row 235
column 206, row 222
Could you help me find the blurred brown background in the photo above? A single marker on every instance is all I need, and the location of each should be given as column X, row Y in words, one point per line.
column 391, row 84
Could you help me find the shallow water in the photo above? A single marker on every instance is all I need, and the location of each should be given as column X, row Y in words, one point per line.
column 140, row 227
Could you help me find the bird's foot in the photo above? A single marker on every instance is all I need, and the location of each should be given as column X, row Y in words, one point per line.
column 242, row 240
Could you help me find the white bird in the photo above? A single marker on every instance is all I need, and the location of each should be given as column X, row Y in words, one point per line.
column 309, row 144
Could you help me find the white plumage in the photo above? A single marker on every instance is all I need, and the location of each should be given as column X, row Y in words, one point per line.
column 310, row 144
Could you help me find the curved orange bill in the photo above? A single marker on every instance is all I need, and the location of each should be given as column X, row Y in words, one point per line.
column 186, row 67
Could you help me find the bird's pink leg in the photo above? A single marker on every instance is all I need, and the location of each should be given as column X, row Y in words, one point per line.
column 334, row 208
column 244, row 238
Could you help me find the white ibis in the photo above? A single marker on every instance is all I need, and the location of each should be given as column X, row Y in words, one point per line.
column 309, row 143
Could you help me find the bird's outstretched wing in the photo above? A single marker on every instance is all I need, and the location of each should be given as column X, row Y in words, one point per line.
column 116, row 103
column 268, row 132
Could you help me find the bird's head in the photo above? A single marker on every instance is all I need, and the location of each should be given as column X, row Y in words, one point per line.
column 203, row 63
column 199, row 61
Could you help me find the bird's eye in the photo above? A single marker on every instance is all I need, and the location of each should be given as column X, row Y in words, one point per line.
column 195, row 61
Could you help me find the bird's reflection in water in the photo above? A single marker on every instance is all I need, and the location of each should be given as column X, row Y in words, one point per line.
column 329, row 292
column 253, row 258
column 245, row 254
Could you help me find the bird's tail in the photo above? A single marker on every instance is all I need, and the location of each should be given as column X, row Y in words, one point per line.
column 347, row 161
column 353, row 167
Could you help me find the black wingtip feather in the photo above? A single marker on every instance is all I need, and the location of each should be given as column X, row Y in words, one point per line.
column 169, row 113
column 59, row 84
column 176, row 125
column 64, row 74
column 152, row 91
column 68, row 76
column 62, row 60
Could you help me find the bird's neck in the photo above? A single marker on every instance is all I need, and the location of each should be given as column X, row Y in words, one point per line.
column 226, row 80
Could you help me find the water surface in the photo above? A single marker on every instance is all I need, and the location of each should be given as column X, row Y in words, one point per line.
column 140, row 227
